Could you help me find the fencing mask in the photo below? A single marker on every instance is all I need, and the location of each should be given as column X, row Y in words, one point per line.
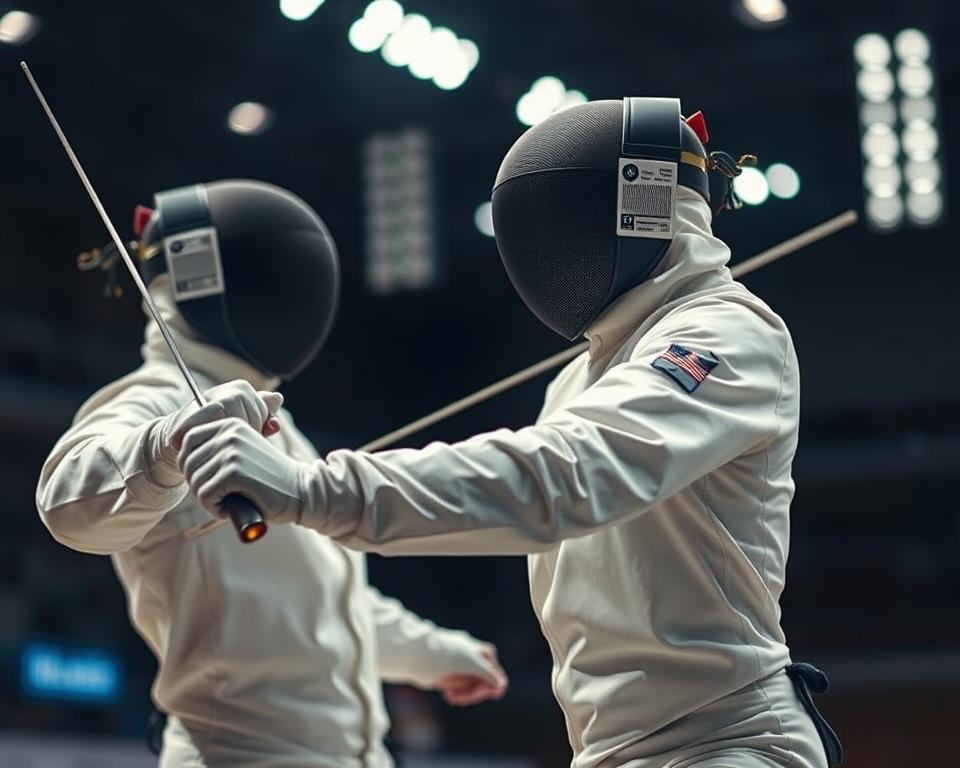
column 584, row 203
column 252, row 269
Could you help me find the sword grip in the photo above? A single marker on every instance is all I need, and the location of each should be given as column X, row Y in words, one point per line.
column 245, row 516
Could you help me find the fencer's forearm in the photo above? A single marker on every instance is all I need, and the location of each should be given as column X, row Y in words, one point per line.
column 412, row 650
column 503, row 493
column 101, row 493
column 625, row 444
column 500, row 493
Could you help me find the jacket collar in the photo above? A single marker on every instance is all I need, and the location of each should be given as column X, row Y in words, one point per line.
column 695, row 257
column 212, row 362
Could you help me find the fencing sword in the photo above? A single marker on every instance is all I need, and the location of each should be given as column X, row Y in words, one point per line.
column 242, row 512
column 791, row 245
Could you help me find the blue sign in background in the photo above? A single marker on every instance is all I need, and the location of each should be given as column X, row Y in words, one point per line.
column 71, row 673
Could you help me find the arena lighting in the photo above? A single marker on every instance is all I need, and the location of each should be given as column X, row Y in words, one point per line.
column 751, row 186
column 399, row 212
column 900, row 143
column 299, row 10
column 783, row 181
column 872, row 51
column 765, row 11
column 483, row 218
column 410, row 40
column 546, row 96
column 249, row 118
column 17, row 27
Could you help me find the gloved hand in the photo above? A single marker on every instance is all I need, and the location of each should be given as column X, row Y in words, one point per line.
column 229, row 456
column 235, row 399
column 481, row 680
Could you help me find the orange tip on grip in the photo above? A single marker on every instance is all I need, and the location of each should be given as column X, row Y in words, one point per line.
column 253, row 532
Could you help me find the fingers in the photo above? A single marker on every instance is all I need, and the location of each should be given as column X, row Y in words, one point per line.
column 209, row 460
column 211, row 493
column 211, row 412
column 273, row 401
column 241, row 400
column 473, row 692
column 201, row 460
column 235, row 399
column 195, row 437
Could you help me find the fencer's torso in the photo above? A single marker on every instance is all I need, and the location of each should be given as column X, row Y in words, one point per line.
column 659, row 616
column 267, row 653
column 658, row 517
column 266, row 649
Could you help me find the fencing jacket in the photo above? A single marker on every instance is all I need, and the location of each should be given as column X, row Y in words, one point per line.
column 270, row 653
column 657, row 517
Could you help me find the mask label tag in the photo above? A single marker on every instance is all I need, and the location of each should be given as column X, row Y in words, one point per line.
column 646, row 198
column 193, row 260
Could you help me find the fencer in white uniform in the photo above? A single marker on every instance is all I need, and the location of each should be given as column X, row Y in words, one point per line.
column 271, row 653
column 653, row 495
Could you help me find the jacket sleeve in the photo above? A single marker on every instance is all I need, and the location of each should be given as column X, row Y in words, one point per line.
column 101, row 489
column 630, row 441
column 415, row 651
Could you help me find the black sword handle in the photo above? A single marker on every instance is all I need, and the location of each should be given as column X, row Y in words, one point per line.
column 246, row 518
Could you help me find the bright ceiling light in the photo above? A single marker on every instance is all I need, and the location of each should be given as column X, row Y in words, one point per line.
column 875, row 84
column 872, row 51
column 384, row 14
column 549, row 88
column 783, row 181
column 751, row 186
column 451, row 77
column 924, row 208
column 404, row 43
column 882, row 180
column 920, row 141
column 17, row 27
column 299, row 10
column 439, row 52
column 922, row 175
column 365, row 36
column 411, row 41
column 249, row 118
column 885, row 212
column 912, row 45
column 546, row 96
column 880, row 144
column 483, row 218
column 571, row 99
column 471, row 54
column 902, row 173
column 915, row 79
column 766, row 11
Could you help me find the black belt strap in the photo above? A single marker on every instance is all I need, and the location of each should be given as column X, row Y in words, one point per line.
column 807, row 678
column 155, row 725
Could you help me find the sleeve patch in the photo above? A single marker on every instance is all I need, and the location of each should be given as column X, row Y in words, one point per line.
column 684, row 366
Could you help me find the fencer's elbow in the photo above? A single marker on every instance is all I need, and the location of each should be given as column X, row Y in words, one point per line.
column 70, row 529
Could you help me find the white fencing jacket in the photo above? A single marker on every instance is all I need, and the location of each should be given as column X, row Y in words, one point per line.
column 269, row 653
column 658, row 517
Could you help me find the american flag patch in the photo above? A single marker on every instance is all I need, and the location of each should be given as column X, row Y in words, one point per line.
column 684, row 366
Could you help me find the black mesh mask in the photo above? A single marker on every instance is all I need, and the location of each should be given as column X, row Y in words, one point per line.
column 578, row 217
column 252, row 268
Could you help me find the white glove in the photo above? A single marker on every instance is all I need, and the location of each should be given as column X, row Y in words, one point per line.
column 235, row 399
column 229, row 456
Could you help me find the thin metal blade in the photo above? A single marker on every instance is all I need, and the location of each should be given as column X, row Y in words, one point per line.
column 134, row 273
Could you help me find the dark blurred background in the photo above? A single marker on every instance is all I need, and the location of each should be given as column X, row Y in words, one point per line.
column 400, row 165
